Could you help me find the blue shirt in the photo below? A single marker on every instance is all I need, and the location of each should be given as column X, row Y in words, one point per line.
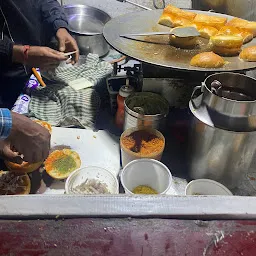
column 5, row 123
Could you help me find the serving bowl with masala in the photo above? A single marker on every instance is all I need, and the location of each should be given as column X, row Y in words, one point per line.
column 139, row 143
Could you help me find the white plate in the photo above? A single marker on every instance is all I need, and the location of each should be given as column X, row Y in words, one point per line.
column 95, row 149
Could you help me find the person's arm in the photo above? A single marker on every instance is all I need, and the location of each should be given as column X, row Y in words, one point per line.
column 25, row 136
column 5, row 123
column 6, row 47
column 53, row 15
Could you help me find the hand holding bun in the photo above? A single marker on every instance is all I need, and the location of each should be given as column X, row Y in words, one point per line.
column 207, row 60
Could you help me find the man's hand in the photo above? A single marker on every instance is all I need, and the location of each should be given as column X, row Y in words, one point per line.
column 42, row 57
column 8, row 154
column 28, row 138
column 67, row 43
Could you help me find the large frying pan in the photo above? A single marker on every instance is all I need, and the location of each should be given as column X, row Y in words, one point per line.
column 156, row 50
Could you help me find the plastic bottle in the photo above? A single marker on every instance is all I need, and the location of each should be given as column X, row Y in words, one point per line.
column 21, row 105
column 32, row 83
column 124, row 92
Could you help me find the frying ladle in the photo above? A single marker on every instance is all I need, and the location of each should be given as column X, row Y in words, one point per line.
column 141, row 113
column 144, row 7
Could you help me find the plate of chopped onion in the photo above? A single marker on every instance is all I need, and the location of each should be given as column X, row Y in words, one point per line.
column 92, row 180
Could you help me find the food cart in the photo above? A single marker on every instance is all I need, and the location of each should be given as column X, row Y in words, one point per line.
column 50, row 222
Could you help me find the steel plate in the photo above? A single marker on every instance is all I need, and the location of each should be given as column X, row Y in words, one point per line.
column 156, row 50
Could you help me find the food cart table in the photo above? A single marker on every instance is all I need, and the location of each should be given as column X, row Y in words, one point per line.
column 126, row 236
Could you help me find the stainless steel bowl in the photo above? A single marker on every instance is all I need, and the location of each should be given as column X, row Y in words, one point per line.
column 235, row 109
column 86, row 24
column 146, row 109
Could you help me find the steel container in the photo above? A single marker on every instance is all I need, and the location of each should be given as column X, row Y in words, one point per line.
column 218, row 154
column 135, row 115
column 245, row 9
column 86, row 25
column 235, row 108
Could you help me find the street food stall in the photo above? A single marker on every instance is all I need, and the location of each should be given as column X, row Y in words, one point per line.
column 151, row 153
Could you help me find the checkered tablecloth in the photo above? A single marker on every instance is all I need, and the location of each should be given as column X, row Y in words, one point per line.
column 61, row 105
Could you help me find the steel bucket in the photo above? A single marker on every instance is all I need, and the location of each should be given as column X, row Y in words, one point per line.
column 86, row 25
column 218, row 154
column 235, row 110
column 154, row 118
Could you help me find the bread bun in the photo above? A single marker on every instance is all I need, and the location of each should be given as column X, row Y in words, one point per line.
column 227, row 41
column 24, row 167
column 61, row 163
column 233, row 31
column 179, row 12
column 166, row 20
column 246, row 35
column 172, row 21
column 205, row 31
column 227, row 52
column 207, row 60
column 14, row 184
column 45, row 125
column 249, row 26
column 183, row 42
column 212, row 21
column 180, row 22
column 248, row 54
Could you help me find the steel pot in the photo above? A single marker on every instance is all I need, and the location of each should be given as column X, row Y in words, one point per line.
column 226, row 111
column 86, row 25
column 245, row 9
column 218, row 154
column 138, row 112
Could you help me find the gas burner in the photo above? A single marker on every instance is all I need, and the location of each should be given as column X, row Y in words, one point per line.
column 133, row 71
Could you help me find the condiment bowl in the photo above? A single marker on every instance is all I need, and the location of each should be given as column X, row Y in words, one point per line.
column 79, row 176
column 146, row 172
column 127, row 155
column 206, row 187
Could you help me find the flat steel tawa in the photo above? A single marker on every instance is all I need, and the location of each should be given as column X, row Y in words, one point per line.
column 156, row 50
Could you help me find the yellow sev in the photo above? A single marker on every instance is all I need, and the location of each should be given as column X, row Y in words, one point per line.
column 146, row 190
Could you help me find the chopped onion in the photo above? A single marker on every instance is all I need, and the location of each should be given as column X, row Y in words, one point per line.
column 91, row 186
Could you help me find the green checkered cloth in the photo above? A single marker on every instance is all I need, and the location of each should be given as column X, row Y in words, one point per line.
column 93, row 69
column 61, row 105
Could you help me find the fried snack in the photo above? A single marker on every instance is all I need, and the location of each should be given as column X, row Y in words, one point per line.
column 225, row 45
column 227, row 52
column 14, row 184
column 45, row 125
column 249, row 26
column 248, row 54
column 24, row 167
column 173, row 10
column 212, row 21
column 205, row 31
column 179, row 21
column 61, row 163
column 207, row 60
column 246, row 35
column 166, row 20
column 172, row 21
column 233, row 31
